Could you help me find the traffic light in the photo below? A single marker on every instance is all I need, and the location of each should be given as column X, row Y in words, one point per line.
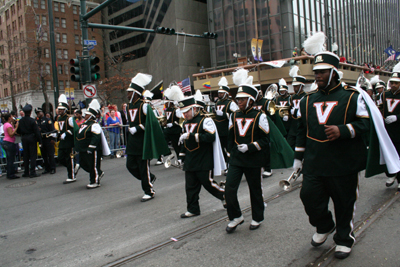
column 94, row 69
column 210, row 35
column 164, row 30
column 75, row 70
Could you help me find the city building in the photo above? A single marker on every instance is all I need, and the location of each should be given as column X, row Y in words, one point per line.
column 25, row 54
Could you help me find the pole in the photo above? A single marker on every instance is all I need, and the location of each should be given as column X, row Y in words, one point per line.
column 85, row 52
column 53, row 52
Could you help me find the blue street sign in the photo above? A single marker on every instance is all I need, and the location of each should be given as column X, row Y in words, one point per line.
column 90, row 42
column 90, row 47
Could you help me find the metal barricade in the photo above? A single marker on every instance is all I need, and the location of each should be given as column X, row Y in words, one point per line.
column 118, row 145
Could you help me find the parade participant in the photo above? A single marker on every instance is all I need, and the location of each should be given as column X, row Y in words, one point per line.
column 89, row 145
column 284, row 100
column 223, row 108
column 137, row 111
column 173, row 130
column 261, row 104
column 66, row 131
column 46, row 127
column 379, row 86
column 330, row 150
column 298, row 84
column 30, row 136
column 248, row 143
column 199, row 145
column 391, row 113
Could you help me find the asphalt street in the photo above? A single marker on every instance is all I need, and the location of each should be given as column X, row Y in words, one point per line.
column 46, row 223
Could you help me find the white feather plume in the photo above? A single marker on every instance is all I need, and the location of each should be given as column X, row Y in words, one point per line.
column 374, row 80
column 198, row 96
column 148, row 94
column 335, row 47
column 249, row 80
column 174, row 93
column 396, row 68
column 340, row 74
column 223, row 82
column 239, row 76
column 142, row 79
column 282, row 82
column 293, row 71
column 62, row 99
column 313, row 86
column 95, row 105
column 315, row 43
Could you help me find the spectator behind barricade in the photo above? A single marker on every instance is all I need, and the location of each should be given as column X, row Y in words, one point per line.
column 113, row 131
column 9, row 144
column 78, row 115
column 100, row 118
column 124, row 119
column 21, row 114
column 303, row 52
column 294, row 53
column 342, row 59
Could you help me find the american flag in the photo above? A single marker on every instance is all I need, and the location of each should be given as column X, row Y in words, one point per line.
column 185, row 85
column 392, row 57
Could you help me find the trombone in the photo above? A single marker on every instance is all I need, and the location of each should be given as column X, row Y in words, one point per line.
column 286, row 185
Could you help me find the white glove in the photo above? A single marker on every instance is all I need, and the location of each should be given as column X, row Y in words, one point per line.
column 182, row 138
column 132, row 130
column 297, row 164
column 89, row 152
column 292, row 111
column 63, row 136
column 285, row 118
column 219, row 112
column 179, row 162
column 390, row 119
column 169, row 125
column 243, row 148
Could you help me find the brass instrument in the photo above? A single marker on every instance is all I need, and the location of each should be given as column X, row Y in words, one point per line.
column 282, row 110
column 363, row 82
column 162, row 119
column 209, row 115
column 168, row 162
column 119, row 154
column 271, row 92
column 271, row 107
column 286, row 185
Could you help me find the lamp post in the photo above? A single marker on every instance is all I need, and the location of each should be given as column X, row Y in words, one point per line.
column 53, row 52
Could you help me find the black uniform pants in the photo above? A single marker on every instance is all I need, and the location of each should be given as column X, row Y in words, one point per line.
column 174, row 138
column 397, row 146
column 224, row 145
column 343, row 190
column 254, row 181
column 47, row 150
column 193, row 182
column 64, row 157
column 140, row 169
column 29, row 145
column 91, row 162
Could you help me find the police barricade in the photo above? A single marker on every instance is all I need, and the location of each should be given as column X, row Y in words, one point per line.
column 117, row 139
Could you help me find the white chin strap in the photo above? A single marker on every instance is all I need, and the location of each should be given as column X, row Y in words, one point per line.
column 330, row 79
column 300, row 89
column 247, row 104
column 133, row 94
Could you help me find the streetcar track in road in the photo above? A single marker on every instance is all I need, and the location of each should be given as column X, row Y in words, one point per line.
column 328, row 257
column 191, row 232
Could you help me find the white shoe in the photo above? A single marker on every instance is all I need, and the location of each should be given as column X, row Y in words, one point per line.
column 342, row 252
column 91, row 186
column 69, row 181
column 254, row 225
column 267, row 174
column 318, row 239
column 188, row 215
column 36, row 168
column 40, row 167
column 390, row 181
column 233, row 224
column 147, row 198
column 159, row 162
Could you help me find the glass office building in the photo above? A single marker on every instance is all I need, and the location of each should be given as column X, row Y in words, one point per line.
column 362, row 29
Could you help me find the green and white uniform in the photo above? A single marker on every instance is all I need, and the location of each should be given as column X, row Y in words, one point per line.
column 65, row 147
column 250, row 128
column 172, row 133
column 88, row 139
column 295, row 101
column 331, row 168
column 285, row 101
column 197, row 154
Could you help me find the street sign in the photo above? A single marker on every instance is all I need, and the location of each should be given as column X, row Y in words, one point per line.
column 67, row 93
column 90, row 91
column 90, row 47
column 71, row 93
column 90, row 42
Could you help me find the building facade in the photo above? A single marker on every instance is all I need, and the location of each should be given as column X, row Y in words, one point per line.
column 362, row 29
column 25, row 54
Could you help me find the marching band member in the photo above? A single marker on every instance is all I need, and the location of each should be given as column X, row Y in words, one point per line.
column 202, row 156
column 379, row 87
column 283, row 100
column 248, row 142
column 223, row 108
column 89, row 145
column 65, row 148
column 137, row 111
column 330, row 150
column 298, row 87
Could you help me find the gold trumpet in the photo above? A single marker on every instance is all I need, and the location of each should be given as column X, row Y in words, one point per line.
column 271, row 107
column 286, row 185
column 168, row 163
column 283, row 110
column 162, row 119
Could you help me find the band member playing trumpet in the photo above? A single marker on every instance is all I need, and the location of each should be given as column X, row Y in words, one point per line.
column 202, row 156
column 284, row 103
column 247, row 144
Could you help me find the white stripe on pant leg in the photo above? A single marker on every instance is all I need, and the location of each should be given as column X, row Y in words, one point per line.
column 354, row 208
column 96, row 179
column 148, row 175
column 213, row 183
column 261, row 180
column 72, row 163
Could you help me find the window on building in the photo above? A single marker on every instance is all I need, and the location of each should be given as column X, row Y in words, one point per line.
column 55, row 6
column 48, row 85
column 47, row 69
column 57, row 22
column 74, row 9
column 66, row 69
column 36, row 3
column 46, row 53
column 42, row 4
column 44, row 20
column 62, row 7
column 61, row 85
column 67, row 84
column 64, row 23
column 76, row 39
column 59, row 53
column 60, row 69
column 58, row 39
column 45, row 36
column 65, row 54
column 1, row 34
column 77, row 53
column 64, row 38
column 7, row 14
column 37, row 19
column 5, row 92
column 75, row 24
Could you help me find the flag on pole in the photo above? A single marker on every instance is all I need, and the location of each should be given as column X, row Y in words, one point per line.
column 185, row 85
column 207, row 85
column 392, row 57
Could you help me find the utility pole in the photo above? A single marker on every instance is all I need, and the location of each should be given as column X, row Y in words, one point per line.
column 53, row 53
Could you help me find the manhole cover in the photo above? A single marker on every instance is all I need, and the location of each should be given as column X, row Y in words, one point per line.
column 22, row 184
